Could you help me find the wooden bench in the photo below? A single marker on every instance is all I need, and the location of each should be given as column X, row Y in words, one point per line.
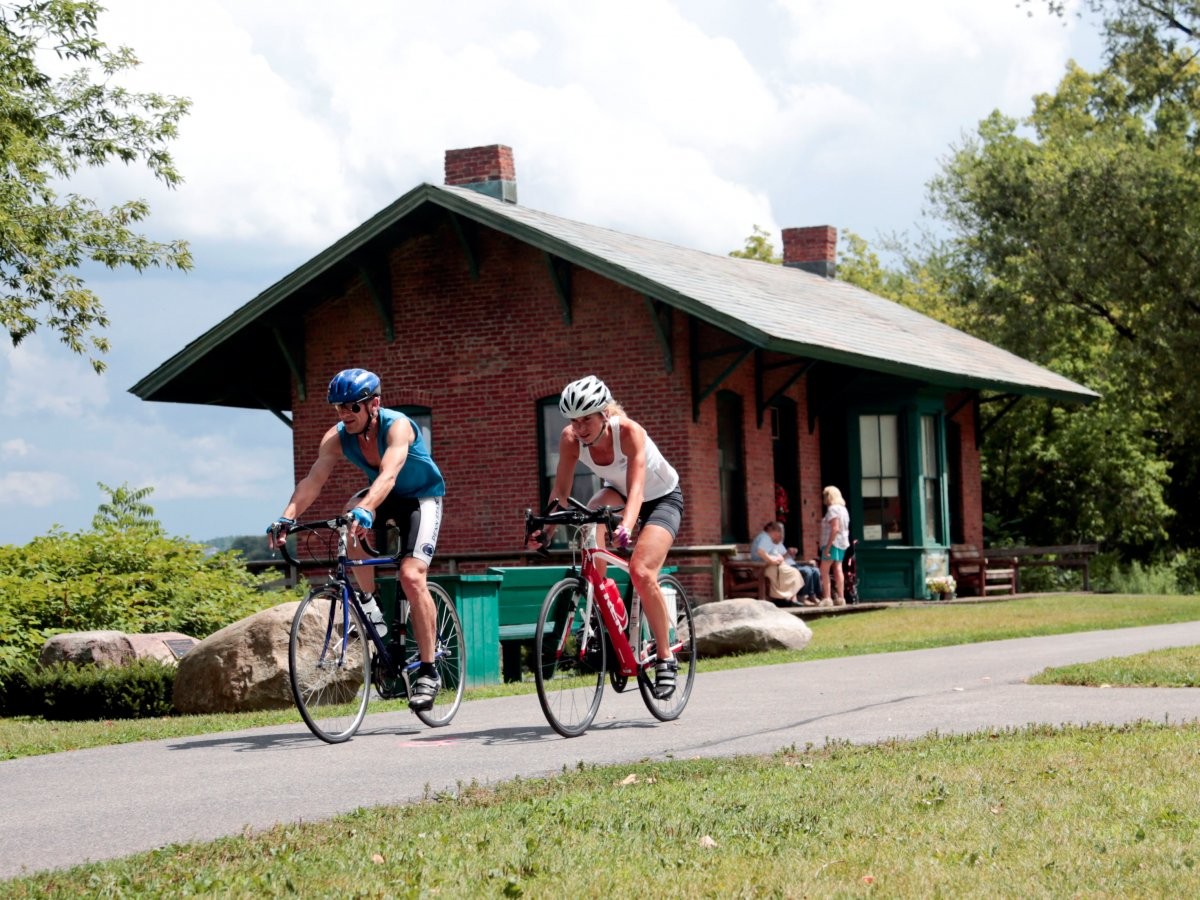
column 983, row 573
column 1063, row 556
column 743, row 576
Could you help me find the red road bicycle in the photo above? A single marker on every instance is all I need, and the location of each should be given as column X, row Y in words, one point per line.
column 584, row 621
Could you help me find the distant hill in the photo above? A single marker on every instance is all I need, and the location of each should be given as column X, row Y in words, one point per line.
column 252, row 546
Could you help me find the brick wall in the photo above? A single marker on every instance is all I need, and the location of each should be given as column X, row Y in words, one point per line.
column 481, row 354
column 816, row 243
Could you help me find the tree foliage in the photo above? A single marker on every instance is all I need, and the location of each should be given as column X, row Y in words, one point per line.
column 758, row 246
column 125, row 508
column 50, row 127
column 1075, row 233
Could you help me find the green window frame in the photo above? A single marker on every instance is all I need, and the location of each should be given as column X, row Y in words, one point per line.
column 932, row 481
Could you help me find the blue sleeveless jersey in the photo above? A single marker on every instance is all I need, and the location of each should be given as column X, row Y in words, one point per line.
column 418, row 477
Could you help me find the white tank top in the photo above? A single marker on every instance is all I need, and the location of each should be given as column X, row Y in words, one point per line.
column 661, row 478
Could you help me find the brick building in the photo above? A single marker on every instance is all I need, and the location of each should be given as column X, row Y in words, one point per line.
column 475, row 311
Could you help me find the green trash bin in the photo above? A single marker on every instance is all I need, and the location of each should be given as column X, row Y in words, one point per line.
column 475, row 598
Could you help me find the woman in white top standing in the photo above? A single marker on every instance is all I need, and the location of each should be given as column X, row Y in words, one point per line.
column 635, row 475
column 835, row 541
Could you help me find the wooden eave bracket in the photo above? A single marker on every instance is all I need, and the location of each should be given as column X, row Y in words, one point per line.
column 374, row 275
column 281, row 416
column 761, row 367
column 560, row 276
column 700, row 393
column 293, row 355
column 969, row 398
column 467, row 239
column 662, row 315
column 1013, row 400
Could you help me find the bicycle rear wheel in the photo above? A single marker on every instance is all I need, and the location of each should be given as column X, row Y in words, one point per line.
column 329, row 665
column 683, row 640
column 568, row 662
column 450, row 659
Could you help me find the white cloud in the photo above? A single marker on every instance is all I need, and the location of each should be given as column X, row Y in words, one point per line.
column 210, row 466
column 40, row 382
column 19, row 489
column 14, row 448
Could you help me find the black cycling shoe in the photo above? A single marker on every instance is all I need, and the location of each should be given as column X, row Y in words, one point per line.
column 664, row 679
column 423, row 692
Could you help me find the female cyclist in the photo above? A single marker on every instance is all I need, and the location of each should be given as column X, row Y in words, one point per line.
column 635, row 475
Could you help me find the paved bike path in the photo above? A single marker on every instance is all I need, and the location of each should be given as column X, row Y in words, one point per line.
column 68, row 808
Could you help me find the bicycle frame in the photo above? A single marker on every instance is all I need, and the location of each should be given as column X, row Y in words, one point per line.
column 629, row 663
column 340, row 576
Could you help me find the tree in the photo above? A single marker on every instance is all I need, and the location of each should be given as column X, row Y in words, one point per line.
column 49, row 129
column 758, row 246
column 1075, row 238
column 126, row 508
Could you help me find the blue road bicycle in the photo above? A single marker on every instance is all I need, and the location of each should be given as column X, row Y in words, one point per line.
column 336, row 659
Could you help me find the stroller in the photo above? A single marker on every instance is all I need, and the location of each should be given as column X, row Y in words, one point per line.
column 850, row 574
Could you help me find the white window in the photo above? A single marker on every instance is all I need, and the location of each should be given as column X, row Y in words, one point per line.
column 883, row 512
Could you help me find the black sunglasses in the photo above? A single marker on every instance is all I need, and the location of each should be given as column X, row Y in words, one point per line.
column 354, row 407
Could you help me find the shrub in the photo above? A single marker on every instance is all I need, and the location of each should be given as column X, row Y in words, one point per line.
column 67, row 692
column 16, row 696
column 1177, row 574
column 133, row 579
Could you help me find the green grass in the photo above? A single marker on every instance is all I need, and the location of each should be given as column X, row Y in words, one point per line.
column 1177, row 667
column 878, row 631
column 1041, row 812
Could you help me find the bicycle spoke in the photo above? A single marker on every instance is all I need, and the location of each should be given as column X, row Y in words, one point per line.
column 450, row 659
column 683, row 643
column 329, row 666
column 569, row 661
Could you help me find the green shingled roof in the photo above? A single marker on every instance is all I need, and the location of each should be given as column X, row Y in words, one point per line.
column 773, row 307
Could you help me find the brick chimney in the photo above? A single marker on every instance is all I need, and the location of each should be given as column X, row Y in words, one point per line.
column 813, row 249
column 489, row 170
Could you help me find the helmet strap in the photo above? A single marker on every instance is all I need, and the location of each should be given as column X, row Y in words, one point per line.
column 603, row 429
column 366, row 432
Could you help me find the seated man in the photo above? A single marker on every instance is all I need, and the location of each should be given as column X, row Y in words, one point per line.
column 793, row 581
column 789, row 580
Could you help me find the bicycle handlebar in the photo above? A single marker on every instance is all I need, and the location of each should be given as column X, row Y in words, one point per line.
column 578, row 516
column 333, row 524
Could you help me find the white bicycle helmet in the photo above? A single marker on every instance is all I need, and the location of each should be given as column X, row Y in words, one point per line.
column 584, row 397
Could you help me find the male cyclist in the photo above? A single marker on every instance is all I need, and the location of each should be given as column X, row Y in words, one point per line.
column 406, row 486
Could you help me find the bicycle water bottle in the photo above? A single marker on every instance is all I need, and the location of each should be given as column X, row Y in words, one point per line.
column 613, row 596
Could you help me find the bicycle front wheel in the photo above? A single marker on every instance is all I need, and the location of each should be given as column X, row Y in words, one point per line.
column 450, row 659
column 683, row 642
column 329, row 665
column 568, row 663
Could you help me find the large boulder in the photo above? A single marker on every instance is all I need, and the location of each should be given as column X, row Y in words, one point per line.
column 113, row 648
column 159, row 646
column 745, row 625
column 97, row 648
column 244, row 666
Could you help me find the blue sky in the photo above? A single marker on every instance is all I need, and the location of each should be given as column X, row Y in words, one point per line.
column 689, row 122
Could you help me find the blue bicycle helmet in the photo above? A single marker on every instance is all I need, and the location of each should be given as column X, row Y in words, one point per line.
column 351, row 385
